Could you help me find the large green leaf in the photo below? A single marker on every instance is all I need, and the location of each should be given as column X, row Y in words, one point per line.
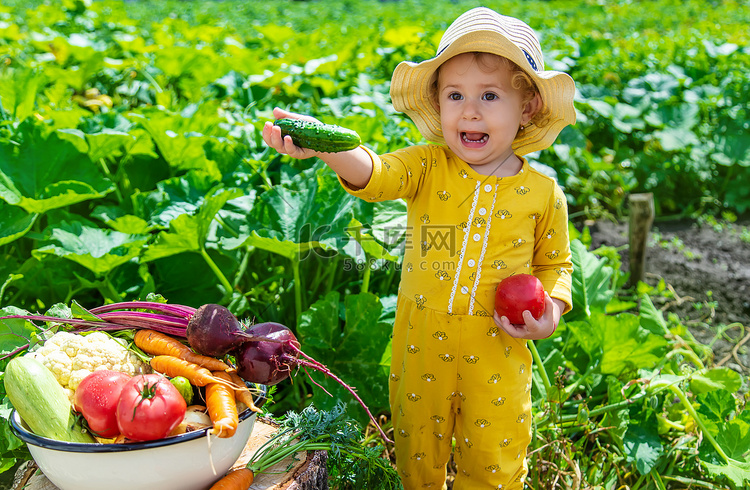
column 652, row 319
column 107, row 142
column 14, row 222
column 641, row 442
column 311, row 210
column 715, row 405
column 732, row 430
column 98, row 249
column 364, row 245
column 352, row 351
column 116, row 218
column 591, row 282
column 735, row 438
column 617, row 342
column 285, row 248
column 183, row 150
column 389, row 226
column 738, row 472
column 19, row 89
column 188, row 232
column 627, row 118
column 717, row 378
column 626, row 345
column 15, row 332
column 684, row 116
column 184, row 235
column 174, row 197
column 49, row 171
column 672, row 139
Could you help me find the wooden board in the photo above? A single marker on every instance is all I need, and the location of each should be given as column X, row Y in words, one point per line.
column 301, row 472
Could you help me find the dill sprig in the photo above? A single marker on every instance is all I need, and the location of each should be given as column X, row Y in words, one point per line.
column 349, row 460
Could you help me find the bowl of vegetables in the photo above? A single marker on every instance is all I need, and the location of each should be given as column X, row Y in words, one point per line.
column 125, row 401
column 189, row 461
column 74, row 376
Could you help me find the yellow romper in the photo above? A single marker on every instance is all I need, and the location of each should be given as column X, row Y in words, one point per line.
column 453, row 372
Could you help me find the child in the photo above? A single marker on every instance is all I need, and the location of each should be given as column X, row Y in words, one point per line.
column 477, row 213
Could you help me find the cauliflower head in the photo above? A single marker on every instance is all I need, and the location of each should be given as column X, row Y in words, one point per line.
column 72, row 357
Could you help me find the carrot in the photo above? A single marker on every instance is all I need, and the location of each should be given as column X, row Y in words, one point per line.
column 239, row 479
column 197, row 375
column 221, row 406
column 158, row 344
column 243, row 394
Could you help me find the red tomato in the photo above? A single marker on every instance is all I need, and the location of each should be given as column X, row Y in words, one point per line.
column 517, row 293
column 96, row 399
column 149, row 408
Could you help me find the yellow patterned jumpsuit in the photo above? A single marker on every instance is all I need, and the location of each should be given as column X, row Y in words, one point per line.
column 453, row 372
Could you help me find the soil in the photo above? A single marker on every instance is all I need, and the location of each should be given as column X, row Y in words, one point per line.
column 707, row 269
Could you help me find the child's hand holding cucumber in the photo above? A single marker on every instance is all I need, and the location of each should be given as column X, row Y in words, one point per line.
column 309, row 133
column 301, row 137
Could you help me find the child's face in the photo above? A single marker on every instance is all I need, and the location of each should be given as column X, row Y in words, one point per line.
column 480, row 111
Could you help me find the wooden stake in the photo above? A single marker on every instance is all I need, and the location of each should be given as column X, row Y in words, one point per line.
column 641, row 219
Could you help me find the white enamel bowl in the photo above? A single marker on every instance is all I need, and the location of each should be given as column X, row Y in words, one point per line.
column 190, row 461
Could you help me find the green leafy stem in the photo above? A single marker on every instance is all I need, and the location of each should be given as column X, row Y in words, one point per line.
column 654, row 386
column 215, row 268
column 674, row 388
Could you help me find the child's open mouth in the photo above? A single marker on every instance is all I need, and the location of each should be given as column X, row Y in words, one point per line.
column 474, row 139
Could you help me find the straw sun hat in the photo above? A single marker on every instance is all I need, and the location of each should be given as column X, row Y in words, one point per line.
column 484, row 30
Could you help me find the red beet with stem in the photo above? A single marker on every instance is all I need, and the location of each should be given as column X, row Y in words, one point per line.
column 214, row 331
column 271, row 361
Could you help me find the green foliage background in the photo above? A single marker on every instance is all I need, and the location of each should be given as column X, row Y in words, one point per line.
column 131, row 163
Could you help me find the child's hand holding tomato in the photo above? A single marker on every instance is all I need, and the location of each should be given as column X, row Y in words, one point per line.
column 524, row 310
column 534, row 329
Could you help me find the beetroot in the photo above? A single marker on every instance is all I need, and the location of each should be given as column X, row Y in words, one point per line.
column 272, row 360
column 267, row 362
column 214, row 331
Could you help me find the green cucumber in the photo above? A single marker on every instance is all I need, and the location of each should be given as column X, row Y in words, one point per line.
column 41, row 402
column 327, row 138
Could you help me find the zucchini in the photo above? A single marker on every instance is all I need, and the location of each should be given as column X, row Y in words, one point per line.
column 327, row 138
column 41, row 402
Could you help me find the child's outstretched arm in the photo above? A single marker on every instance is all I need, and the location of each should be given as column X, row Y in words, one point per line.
column 354, row 166
column 534, row 329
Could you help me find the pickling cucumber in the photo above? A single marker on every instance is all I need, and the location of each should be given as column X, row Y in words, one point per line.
column 41, row 402
column 328, row 138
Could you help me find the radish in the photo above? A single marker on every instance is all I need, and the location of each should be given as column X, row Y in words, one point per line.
column 517, row 293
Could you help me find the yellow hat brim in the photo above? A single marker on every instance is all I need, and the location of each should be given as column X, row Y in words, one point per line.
column 410, row 90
